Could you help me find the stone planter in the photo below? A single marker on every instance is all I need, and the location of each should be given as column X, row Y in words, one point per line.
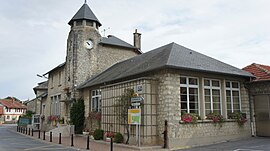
column 85, row 133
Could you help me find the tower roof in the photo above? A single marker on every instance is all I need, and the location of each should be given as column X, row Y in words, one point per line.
column 84, row 13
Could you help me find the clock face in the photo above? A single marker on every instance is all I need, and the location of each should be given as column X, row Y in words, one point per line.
column 88, row 44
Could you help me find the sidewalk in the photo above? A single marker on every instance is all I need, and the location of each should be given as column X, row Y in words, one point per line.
column 80, row 143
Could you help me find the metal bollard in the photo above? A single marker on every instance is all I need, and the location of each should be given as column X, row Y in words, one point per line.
column 29, row 131
column 50, row 136
column 32, row 132
column 87, row 143
column 72, row 140
column 111, row 144
column 38, row 133
column 44, row 137
column 60, row 138
column 17, row 128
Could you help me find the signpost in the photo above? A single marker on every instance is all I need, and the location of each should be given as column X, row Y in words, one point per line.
column 134, row 115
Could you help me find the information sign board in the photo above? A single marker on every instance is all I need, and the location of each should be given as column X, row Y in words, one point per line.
column 134, row 116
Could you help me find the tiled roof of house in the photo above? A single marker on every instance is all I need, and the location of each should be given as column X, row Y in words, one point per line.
column 171, row 56
column 1, row 110
column 261, row 72
column 11, row 103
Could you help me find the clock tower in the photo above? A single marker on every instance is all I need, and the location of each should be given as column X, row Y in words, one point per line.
column 82, row 44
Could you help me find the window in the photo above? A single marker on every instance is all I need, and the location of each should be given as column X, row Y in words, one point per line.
column 55, row 105
column 233, row 97
column 59, row 78
column 212, row 97
column 6, row 109
column 52, row 81
column 8, row 117
column 189, row 95
column 96, row 101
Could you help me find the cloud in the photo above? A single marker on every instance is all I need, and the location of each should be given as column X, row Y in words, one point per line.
column 33, row 33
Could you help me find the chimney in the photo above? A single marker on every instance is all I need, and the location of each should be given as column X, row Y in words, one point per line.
column 137, row 39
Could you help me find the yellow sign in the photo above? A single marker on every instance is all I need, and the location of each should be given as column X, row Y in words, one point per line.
column 134, row 116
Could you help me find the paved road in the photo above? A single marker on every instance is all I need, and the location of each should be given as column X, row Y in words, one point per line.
column 250, row 144
column 12, row 141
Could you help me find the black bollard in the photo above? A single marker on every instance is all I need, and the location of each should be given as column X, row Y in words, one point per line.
column 60, row 138
column 111, row 144
column 26, row 130
column 32, row 132
column 17, row 128
column 44, row 135
column 50, row 136
column 72, row 140
column 29, row 131
column 38, row 133
column 87, row 143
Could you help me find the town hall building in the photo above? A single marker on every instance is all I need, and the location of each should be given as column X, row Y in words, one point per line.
column 172, row 79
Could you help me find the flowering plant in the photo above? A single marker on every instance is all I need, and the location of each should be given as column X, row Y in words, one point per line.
column 189, row 117
column 109, row 134
column 239, row 116
column 53, row 118
column 216, row 118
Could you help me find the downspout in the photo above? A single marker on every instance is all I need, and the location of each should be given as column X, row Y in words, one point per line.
column 247, row 85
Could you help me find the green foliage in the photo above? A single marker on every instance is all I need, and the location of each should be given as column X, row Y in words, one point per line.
column 77, row 115
column 118, row 138
column 121, row 109
column 239, row 117
column 216, row 118
column 98, row 134
column 28, row 114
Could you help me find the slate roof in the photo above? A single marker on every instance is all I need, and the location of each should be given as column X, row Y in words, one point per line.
column 59, row 66
column 11, row 103
column 169, row 56
column 114, row 41
column 42, row 86
column 261, row 72
column 84, row 13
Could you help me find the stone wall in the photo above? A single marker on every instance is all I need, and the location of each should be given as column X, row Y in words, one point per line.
column 181, row 135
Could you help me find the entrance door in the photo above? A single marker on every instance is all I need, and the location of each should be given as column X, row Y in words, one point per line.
column 262, row 114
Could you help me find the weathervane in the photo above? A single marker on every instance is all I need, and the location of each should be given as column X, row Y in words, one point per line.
column 85, row 1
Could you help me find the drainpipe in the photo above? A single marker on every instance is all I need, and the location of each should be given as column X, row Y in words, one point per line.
column 247, row 85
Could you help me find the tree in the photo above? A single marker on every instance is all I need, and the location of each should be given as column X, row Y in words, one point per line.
column 77, row 115
column 121, row 109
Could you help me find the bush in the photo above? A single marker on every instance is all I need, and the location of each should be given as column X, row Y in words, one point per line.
column 77, row 115
column 98, row 134
column 118, row 138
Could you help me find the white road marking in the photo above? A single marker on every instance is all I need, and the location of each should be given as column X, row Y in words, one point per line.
column 246, row 150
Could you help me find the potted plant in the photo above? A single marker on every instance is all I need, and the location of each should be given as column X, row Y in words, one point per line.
column 239, row 117
column 189, row 118
column 109, row 136
column 216, row 118
column 86, row 131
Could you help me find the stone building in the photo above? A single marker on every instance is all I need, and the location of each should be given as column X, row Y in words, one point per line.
column 87, row 54
column 173, row 80
column 260, row 97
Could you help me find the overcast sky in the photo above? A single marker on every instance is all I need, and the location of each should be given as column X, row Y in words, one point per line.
column 33, row 33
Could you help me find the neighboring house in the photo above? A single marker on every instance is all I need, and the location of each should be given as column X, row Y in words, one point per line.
column 10, row 109
column 260, row 94
column 41, row 92
column 172, row 80
column 88, row 54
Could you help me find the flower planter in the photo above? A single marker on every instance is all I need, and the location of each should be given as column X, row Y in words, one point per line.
column 85, row 133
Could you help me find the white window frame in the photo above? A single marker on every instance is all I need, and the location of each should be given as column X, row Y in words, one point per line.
column 187, row 86
column 231, row 89
column 211, row 94
column 97, row 94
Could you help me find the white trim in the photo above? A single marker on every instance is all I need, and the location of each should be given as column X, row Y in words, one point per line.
column 211, row 87
column 187, row 86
